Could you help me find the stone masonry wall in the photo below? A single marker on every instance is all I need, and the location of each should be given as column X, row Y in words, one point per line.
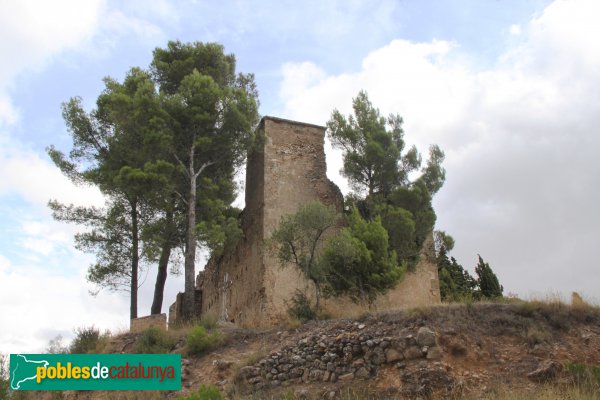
column 295, row 174
column 353, row 351
column 248, row 286
column 151, row 321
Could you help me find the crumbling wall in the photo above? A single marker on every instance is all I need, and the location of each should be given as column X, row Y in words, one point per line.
column 248, row 286
column 232, row 285
column 151, row 321
column 420, row 287
column 295, row 174
column 352, row 351
column 285, row 171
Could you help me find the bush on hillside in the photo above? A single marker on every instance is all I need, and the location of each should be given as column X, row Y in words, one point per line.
column 199, row 340
column 88, row 340
column 154, row 341
column 206, row 392
column 300, row 307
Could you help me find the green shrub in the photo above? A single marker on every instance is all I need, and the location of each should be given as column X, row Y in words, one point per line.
column 300, row 307
column 88, row 340
column 577, row 370
column 289, row 395
column 198, row 340
column 584, row 375
column 154, row 341
column 206, row 392
column 208, row 322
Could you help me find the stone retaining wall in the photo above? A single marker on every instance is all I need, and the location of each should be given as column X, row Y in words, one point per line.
column 354, row 354
column 151, row 321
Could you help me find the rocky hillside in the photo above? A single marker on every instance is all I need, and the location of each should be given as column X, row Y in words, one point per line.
column 452, row 351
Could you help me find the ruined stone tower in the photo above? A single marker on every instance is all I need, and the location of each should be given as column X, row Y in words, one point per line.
column 248, row 286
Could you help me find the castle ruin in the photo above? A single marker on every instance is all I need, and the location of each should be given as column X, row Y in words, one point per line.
column 248, row 286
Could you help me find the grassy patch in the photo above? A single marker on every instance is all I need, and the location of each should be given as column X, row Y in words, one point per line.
column 206, row 392
column 199, row 340
column 586, row 377
column 154, row 341
column 208, row 322
column 548, row 392
column 536, row 335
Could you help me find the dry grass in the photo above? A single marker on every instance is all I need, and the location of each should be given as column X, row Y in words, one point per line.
column 131, row 395
column 548, row 392
column 535, row 335
column 97, row 395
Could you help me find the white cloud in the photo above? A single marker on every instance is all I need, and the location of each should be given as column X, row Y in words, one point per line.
column 36, row 180
column 515, row 30
column 42, row 278
column 33, row 31
column 33, row 299
column 4, row 264
column 520, row 138
column 117, row 24
column 161, row 9
column 8, row 114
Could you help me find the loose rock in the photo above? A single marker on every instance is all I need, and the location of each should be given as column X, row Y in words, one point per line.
column 545, row 372
column 425, row 337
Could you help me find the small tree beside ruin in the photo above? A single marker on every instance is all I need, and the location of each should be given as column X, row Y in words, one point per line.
column 359, row 262
column 298, row 238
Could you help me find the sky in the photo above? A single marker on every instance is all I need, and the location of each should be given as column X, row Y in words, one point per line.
column 509, row 89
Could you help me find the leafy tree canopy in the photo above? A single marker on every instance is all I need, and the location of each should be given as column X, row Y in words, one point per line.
column 359, row 262
column 163, row 146
column 379, row 168
column 372, row 145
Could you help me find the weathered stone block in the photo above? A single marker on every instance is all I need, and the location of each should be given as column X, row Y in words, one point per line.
column 413, row 352
column 151, row 321
column 425, row 337
column 434, row 353
column 392, row 355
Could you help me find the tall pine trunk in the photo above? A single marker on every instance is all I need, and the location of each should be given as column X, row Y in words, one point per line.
column 134, row 260
column 163, row 263
column 189, row 296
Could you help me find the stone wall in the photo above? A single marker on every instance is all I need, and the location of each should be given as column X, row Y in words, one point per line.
column 151, row 321
column 248, row 286
column 417, row 288
column 354, row 351
column 176, row 309
column 295, row 174
column 288, row 169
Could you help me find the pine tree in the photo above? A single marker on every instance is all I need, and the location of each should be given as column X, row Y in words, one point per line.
column 373, row 146
column 163, row 147
column 378, row 166
column 455, row 282
column 487, row 281
column 213, row 113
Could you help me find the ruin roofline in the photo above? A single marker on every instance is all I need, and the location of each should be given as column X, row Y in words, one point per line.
column 289, row 121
